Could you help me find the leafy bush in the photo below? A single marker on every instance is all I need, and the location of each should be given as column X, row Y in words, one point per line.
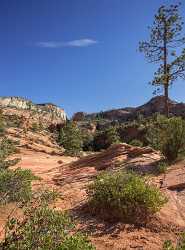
column 180, row 245
column 76, row 242
column 13, row 120
column 15, row 185
column 71, row 139
column 136, row 143
column 106, row 138
column 132, row 130
column 45, row 196
column 124, row 196
column 43, row 228
column 2, row 124
column 87, row 141
column 161, row 167
column 168, row 135
column 36, row 127
column 7, row 147
column 8, row 163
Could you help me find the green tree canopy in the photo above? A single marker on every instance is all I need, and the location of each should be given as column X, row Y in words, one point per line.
column 70, row 138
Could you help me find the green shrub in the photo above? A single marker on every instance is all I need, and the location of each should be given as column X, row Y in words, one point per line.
column 136, row 143
column 87, row 141
column 2, row 129
column 7, row 148
column 168, row 136
column 71, row 139
column 156, row 130
column 125, row 197
column 4, row 164
column 2, row 124
column 43, row 228
column 106, row 138
column 180, row 245
column 161, row 167
column 76, row 242
column 13, row 120
column 45, row 196
column 36, row 127
column 15, row 185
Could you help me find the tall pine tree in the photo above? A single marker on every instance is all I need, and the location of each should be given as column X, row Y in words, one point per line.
column 162, row 47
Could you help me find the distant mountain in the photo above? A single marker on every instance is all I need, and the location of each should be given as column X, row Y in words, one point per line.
column 155, row 105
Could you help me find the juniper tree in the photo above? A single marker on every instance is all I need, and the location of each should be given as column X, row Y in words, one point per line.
column 162, row 47
column 70, row 138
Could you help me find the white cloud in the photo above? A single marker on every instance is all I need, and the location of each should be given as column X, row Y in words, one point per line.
column 74, row 43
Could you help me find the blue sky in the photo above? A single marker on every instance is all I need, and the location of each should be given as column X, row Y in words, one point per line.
column 79, row 54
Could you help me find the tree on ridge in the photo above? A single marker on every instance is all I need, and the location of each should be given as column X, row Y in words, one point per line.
column 162, row 47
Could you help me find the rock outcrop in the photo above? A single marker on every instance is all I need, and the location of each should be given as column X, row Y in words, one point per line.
column 41, row 141
column 47, row 112
column 121, row 156
column 21, row 103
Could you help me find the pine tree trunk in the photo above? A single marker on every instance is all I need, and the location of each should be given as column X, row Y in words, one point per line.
column 166, row 79
column 166, row 105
